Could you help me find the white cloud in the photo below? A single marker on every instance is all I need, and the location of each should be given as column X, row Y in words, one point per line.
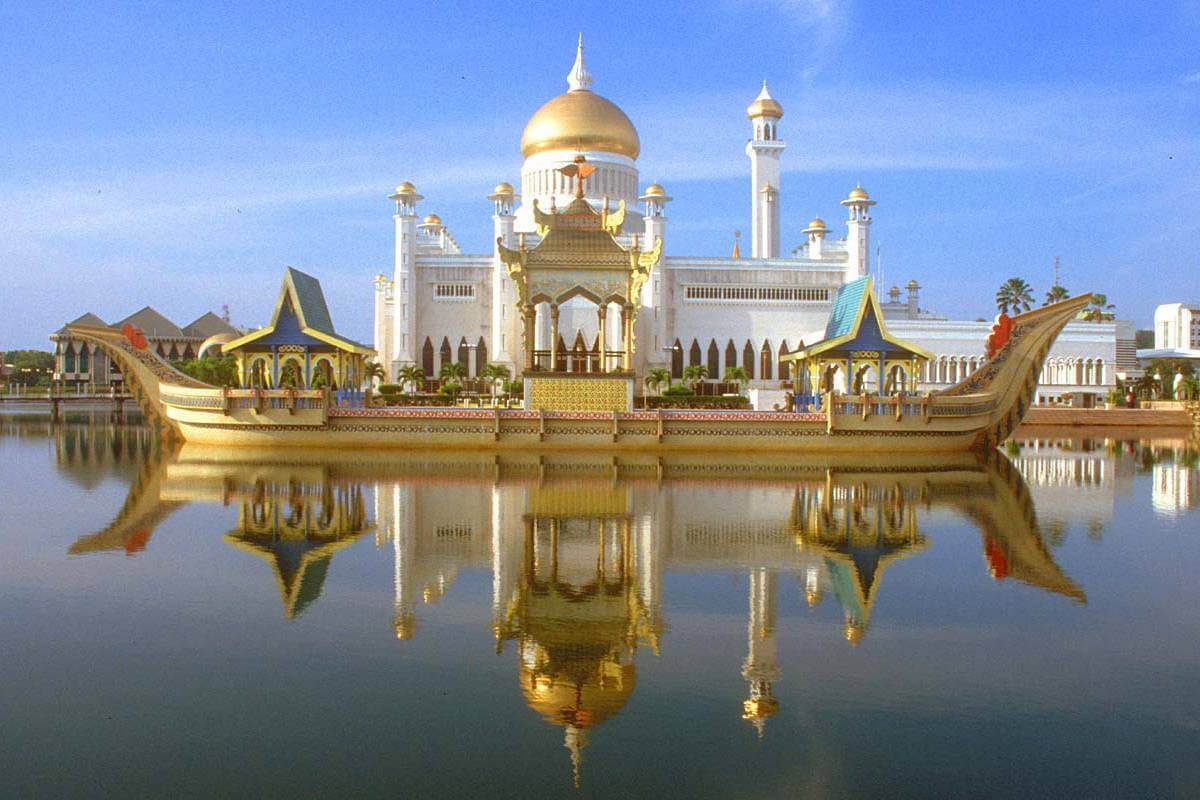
column 1193, row 77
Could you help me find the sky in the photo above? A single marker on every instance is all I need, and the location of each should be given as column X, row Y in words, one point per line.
column 181, row 155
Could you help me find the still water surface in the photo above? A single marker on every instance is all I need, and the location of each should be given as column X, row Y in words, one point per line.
column 205, row 622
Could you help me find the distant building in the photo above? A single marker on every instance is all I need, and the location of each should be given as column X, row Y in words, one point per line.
column 1176, row 333
column 78, row 364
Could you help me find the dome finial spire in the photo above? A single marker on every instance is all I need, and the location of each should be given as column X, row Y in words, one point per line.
column 579, row 78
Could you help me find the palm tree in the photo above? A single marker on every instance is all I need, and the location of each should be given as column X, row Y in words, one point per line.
column 453, row 371
column 1056, row 294
column 657, row 378
column 736, row 375
column 411, row 375
column 1099, row 310
column 694, row 373
column 494, row 374
column 1015, row 296
column 374, row 371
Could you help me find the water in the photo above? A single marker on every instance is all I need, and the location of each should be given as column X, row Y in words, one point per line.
column 299, row 624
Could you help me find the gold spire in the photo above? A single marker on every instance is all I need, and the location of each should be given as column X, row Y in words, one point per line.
column 764, row 105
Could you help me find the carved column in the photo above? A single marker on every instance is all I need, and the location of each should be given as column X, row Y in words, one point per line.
column 530, row 313
column 602, row 316
column 627, row 337
column 554, row 337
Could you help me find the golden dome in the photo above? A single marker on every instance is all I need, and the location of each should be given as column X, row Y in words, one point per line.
column 654, row 190
column 432, row 219
column 764, row 105
column 854, row 632
column 580, row 120
column 504, row 187
column 858, row 193
column 817, row 224
column 406, row 188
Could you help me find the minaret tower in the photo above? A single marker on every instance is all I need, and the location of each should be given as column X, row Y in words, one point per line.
column 404, row 309
column 654, row 306
column 761, row 667
column 504, row 310
column 858, row 238
column 815, row 232
column 764, row 150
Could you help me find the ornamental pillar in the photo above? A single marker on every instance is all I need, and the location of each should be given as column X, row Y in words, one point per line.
column 530, row 314
column 554, row 337
column 627, row 337
column 602, row 318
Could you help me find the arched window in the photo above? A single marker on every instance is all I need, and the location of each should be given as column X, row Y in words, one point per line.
column 464, row 357
column 427, row 358
column 677, row 361
column 1099, row 372
column 83, row 359
column 748, row 359
column 766, row 367
column 694, row 354
column 730, row 355
column 69, row 359
column 447, row 355
column 714, row 359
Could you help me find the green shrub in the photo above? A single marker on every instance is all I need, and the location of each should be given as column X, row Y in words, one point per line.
column 725, row 402
column 389, row 388
column 678, row 390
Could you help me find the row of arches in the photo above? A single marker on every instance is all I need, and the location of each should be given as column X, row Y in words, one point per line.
column 948, row 369
column 292, row 375
column 759, row 362
column 1074, row 371
column 433, row 360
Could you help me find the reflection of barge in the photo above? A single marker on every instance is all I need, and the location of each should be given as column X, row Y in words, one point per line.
column 977, row 413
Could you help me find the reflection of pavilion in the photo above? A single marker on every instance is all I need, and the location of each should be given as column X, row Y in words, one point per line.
column 857, row 528
column 297, row 527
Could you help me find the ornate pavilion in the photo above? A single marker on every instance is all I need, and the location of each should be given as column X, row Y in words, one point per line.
column 299, row 348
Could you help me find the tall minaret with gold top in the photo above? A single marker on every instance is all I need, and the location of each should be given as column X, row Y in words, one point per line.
column 764, row 149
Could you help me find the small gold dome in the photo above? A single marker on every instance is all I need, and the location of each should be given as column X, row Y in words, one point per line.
column 432, row 219
column 580, row 120
column 858, row 193
column 764, row 105
column 406, row 188
column 654, row 190
column 504, row 187
column 817, row 224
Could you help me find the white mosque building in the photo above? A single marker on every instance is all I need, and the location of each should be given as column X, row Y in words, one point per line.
column 745, row 309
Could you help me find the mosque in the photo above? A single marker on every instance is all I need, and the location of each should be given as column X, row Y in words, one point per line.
column 745, row 310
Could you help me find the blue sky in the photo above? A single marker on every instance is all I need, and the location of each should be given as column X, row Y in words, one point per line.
column 181, row 155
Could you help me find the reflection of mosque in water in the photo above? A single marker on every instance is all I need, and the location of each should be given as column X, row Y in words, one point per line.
column 578, row 549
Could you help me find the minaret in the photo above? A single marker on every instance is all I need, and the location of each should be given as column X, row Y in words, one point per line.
column 761, row 667
column 654, row 306
column 858, row 238
column 404, row 309
column 815, row 232
column 383, row 320
column 764, row 151
column 504, row 310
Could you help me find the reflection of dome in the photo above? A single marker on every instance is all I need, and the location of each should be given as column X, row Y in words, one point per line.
column 759, row 708
column 855, row 631
column 814, row 597
column 580, row 120
column 583, row 699
column 405, row 625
